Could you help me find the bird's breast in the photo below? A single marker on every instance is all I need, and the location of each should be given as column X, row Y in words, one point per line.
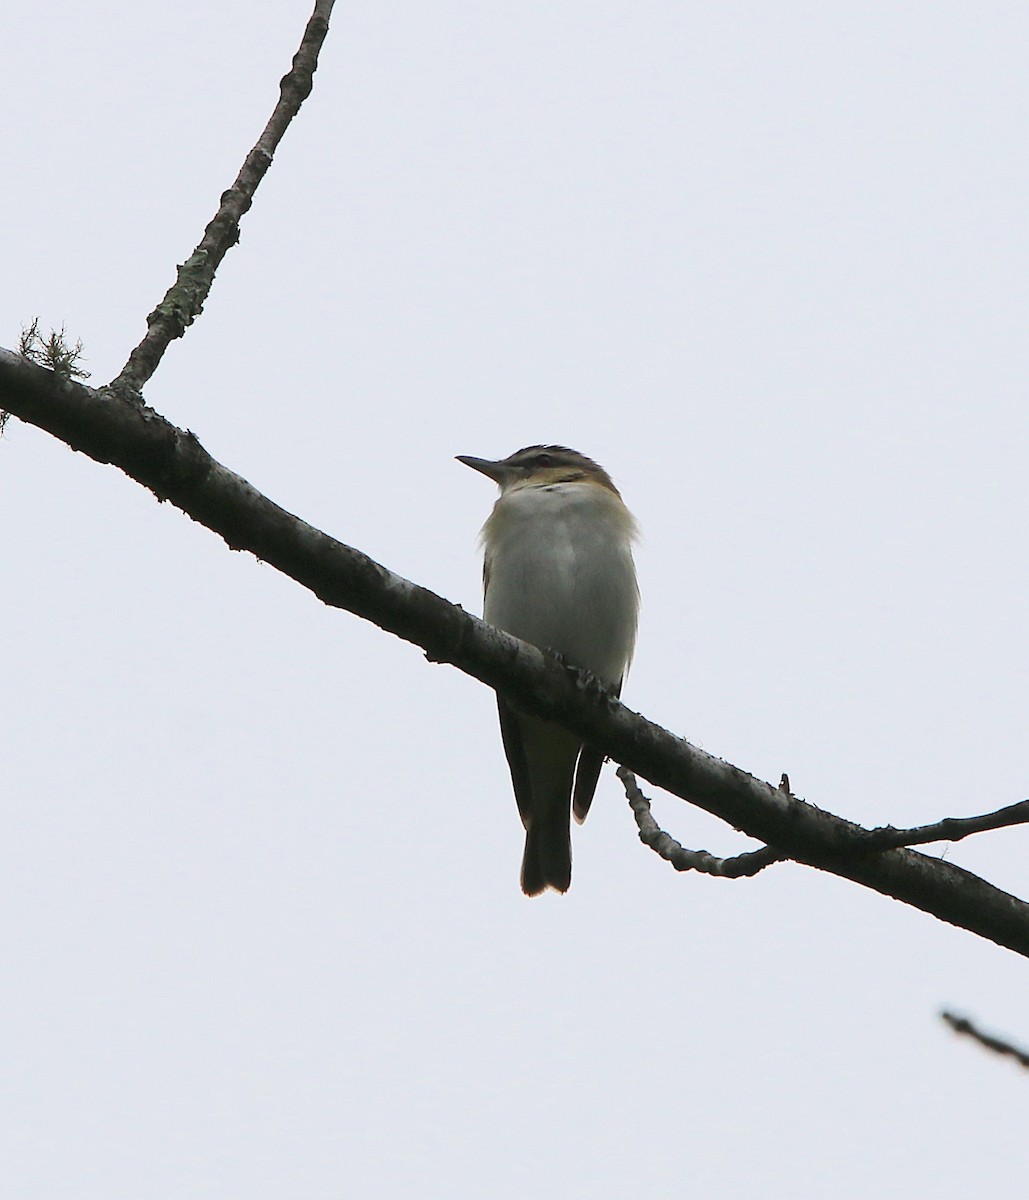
column 561, row 575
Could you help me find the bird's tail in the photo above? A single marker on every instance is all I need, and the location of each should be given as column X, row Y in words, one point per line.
column 547, row 861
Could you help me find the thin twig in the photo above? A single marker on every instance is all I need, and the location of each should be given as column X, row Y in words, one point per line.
column 184, row 300
column 950, row 829
column 663, row 844
column 997, row 1045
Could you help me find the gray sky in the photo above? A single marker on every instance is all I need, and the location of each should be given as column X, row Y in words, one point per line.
column 261, row 923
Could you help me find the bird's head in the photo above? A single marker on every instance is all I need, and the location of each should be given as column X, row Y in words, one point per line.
column 537, row 466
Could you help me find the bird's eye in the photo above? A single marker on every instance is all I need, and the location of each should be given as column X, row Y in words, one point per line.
column 544, row 460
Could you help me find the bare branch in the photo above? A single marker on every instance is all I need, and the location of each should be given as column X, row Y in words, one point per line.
column 950, row 829
column 185, row 299
column 652, row 835
column 173, row 464
column 998, row 1045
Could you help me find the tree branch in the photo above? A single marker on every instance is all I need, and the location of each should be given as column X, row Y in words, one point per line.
column 950, row 829
column 184, row 300
column 998, row 1045
column 174, row 466
column 652, row 835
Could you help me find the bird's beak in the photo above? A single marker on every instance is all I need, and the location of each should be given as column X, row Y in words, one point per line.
column 497, row 471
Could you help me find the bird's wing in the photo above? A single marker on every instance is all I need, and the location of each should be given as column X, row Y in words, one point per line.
column 587, row 772
column 514, row 748
column 511, row 733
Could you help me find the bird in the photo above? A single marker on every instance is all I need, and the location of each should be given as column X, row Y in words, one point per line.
column 558, row 572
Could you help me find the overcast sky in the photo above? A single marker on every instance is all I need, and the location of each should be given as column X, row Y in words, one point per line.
column 259, row 910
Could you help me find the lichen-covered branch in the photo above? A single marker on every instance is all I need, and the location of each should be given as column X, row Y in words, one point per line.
column 740, row 866
column 184, row 300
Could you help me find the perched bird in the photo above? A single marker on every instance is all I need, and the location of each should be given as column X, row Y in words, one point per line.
column 558, row 573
